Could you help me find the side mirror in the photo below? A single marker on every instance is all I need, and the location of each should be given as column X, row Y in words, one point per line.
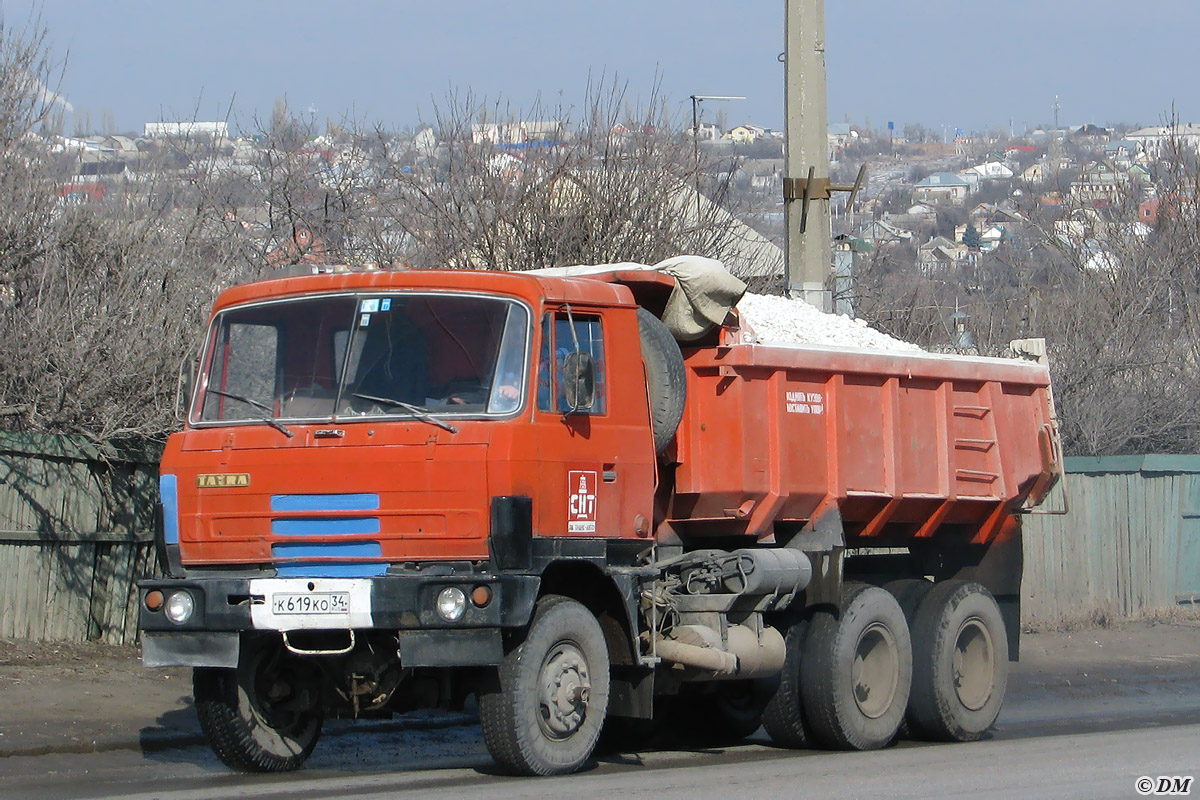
column 579, row 381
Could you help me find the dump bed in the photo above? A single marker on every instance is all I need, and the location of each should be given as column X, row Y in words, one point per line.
column 900, row 444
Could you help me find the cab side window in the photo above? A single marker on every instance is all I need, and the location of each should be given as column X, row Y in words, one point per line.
column 557, row 343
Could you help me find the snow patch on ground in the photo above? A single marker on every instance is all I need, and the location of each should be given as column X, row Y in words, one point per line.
column 779, row 320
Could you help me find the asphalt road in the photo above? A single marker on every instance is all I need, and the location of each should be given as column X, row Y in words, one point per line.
column 1087, row 715
column 1103, row 756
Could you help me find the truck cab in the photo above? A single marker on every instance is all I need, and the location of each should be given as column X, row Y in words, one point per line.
column 397, row 462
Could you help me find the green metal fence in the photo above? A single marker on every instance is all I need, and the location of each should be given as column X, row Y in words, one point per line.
column 1130, row 545
column 76, row 533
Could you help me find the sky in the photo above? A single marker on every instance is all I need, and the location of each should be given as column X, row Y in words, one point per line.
column 946, row 64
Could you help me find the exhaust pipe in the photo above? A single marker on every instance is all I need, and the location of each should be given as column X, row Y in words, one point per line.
column 747, row 654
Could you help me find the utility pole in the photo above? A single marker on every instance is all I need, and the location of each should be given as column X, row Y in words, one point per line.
column 806, row 187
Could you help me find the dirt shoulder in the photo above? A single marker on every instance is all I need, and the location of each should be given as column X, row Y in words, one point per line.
column 78, row 697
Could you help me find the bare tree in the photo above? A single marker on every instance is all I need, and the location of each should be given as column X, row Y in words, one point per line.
column 616, row 185
column 1117, row 300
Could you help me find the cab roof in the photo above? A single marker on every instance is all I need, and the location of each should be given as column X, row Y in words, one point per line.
column 609, row 288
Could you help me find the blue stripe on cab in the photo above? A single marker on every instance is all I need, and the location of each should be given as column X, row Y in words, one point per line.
column 168, row 493
column 325, row 502
column 330, row 570
column 301, row 550
column 298, row 553
column 325, row 527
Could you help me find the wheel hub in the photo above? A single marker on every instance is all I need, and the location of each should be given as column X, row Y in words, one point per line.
column 974, row 664
column 875, row 674
column 565, row 687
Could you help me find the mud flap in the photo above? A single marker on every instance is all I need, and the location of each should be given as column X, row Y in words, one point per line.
column 190, row 649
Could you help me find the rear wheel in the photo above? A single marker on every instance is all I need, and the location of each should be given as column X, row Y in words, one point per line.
column 546, row 713
column 264, row 716
column 960, row 663
column 909, row 592
column 723, row 712
column 857, row 671
column 784, row 715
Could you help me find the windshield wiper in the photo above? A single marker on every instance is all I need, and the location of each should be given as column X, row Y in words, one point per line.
column 416, row 411
column 268, row 415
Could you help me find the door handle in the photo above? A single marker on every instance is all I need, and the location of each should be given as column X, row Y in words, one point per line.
column 610, row 476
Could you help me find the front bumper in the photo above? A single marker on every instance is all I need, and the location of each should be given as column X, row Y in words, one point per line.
column 225, row 607
column 388, row 602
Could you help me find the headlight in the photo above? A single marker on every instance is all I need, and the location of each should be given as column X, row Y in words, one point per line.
column 451, row 603
column 180, row 606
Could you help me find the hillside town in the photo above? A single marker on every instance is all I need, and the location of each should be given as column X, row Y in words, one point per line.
column 936, row 205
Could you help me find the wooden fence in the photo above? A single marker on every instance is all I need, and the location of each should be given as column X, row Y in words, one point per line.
column 76, row 533
column 1129, row 547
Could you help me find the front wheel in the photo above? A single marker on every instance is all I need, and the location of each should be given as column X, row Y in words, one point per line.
column 263, row 716
column 547, row 712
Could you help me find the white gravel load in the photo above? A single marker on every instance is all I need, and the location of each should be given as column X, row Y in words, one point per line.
column 779, row 320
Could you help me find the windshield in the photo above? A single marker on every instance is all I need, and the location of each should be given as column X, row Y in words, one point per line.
column 349, row 356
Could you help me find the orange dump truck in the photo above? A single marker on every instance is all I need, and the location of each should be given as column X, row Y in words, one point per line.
column 397, row 489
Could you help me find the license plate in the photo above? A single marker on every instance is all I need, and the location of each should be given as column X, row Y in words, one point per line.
column 312, row 603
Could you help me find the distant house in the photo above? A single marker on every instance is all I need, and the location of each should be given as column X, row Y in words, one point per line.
column 425, row 140
column 991, row 171
column 1050, row 200
column 186, row 130
column 766, row 174
column 1099, row 185
column 942, row 188
column 1121, row 147
column 1091, row 133
column 841, row 132
column 940, row 253
column 515, row 133
column 123, row 146
column 1164, row 206
column 1035, row 173
column 988, row 215
column 841, row 136
column 990, row 236
column 879, row 233
column 744, row 134
column 75, row 193
column 1156, row 141
column 1148, row 211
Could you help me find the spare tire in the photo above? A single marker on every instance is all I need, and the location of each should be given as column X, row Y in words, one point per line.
column 667, row 382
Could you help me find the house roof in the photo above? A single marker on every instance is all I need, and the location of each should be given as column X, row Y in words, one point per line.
column 1160, row 131
column 938, row 241
column 942, row 179
column 879, row 229
column 991, row 169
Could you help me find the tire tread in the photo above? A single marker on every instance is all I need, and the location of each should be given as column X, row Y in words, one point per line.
column 931, row 715
column 215, row 692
